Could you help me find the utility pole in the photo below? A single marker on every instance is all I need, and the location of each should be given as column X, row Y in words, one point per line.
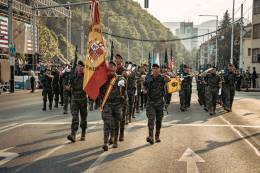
column 216, row 58
column 232, row 35
column 11, row 44
column 128, row 55
column 142, row 51
column 34, row 38
column 241, row 59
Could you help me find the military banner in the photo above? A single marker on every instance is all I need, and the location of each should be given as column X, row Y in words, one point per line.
column 95, row 74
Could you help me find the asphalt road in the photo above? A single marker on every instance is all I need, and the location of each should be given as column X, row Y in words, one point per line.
column 33, row 141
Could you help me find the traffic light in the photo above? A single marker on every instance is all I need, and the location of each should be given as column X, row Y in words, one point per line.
column 146, row 3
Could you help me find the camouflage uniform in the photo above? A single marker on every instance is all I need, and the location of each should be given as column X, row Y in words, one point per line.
column 47, row 91
column 184, row 93
column 155, row 103
column 212, row 81
column 131, row 89
column 112, row 112
column 56, row 87
column 139, row 84
column 201, row 90
column 79, row 104
column 66, row 90
column 229, row 90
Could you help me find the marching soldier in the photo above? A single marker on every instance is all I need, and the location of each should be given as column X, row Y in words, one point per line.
column 190, row 84
column 131, row 92
column 229, row 87
column 213, row 82
column 185, row 89
column 79, row 104
column 200, row 88
column 155, row 87
column 113, row 95
column 122, row 71
column 47, row 92
column 66, row 77
column 56, row 85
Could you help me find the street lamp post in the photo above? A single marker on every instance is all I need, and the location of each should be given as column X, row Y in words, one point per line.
column 216, row 58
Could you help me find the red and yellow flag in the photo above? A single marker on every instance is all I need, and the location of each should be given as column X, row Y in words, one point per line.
column 95, row 74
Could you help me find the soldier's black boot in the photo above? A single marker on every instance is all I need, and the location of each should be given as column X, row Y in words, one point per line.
column 44, row 106
column 150, row 138
column 72, row 137
column 105, row 146
column 50, row 106
column 83, row 135
column 56, row 104
column 115, row 144
column 121, row 137
column 157, row 136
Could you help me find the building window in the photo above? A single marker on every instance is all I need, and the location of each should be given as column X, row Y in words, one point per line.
column 256, row 52
column 256, row 7
column 249, row 52
column 256, row 31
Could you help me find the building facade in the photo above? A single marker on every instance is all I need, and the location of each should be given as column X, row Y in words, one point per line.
column 256, row 32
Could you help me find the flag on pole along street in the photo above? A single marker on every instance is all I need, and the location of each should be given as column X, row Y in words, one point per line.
column 95, row 73
column 166, row 62
column 172, row 63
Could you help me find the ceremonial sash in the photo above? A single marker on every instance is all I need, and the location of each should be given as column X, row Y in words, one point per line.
column 108, row 92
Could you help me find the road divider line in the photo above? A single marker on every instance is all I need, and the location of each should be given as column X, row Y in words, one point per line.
column 10, row 128
column 7, row 126
column 241, row 135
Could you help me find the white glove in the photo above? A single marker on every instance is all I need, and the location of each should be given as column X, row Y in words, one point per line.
column 121, row 83
column 219, row 92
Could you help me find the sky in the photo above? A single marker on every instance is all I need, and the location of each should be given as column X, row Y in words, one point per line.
column 188, row 10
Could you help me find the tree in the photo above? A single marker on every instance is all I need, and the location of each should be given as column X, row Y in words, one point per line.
column 48, row 42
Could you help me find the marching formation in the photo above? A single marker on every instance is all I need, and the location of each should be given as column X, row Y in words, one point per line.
column 131, row 89
column 120, row 89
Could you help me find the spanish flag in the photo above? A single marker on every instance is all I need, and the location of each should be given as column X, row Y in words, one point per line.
column 95, row 74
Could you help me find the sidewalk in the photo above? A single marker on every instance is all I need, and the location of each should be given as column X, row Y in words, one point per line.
column 251, row 89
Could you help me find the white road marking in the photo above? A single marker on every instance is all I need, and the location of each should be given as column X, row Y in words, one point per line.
column 173, row 123
column 58, row 123
column 10, row 128
column 51, row 151
column 241, row 135
column 8, row 156
column 191, row 158
column 10, row 125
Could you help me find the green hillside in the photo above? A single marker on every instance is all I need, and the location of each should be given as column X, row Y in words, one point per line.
column 126, row 18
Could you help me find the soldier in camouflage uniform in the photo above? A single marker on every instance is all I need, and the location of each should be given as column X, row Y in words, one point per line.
column 184, row 93
column 122, row 71
column 47, row 92
column 200, row 89
column 66, row 77
column 155, row 87
column 56, row 85
column 112, row 111
column 229, row 87
column 79, row 104
column 213, row 82
column 131, row 92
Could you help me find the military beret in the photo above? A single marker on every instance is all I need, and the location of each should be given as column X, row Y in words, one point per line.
column 156, row 66
column 81, row 63
column 117, row 55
